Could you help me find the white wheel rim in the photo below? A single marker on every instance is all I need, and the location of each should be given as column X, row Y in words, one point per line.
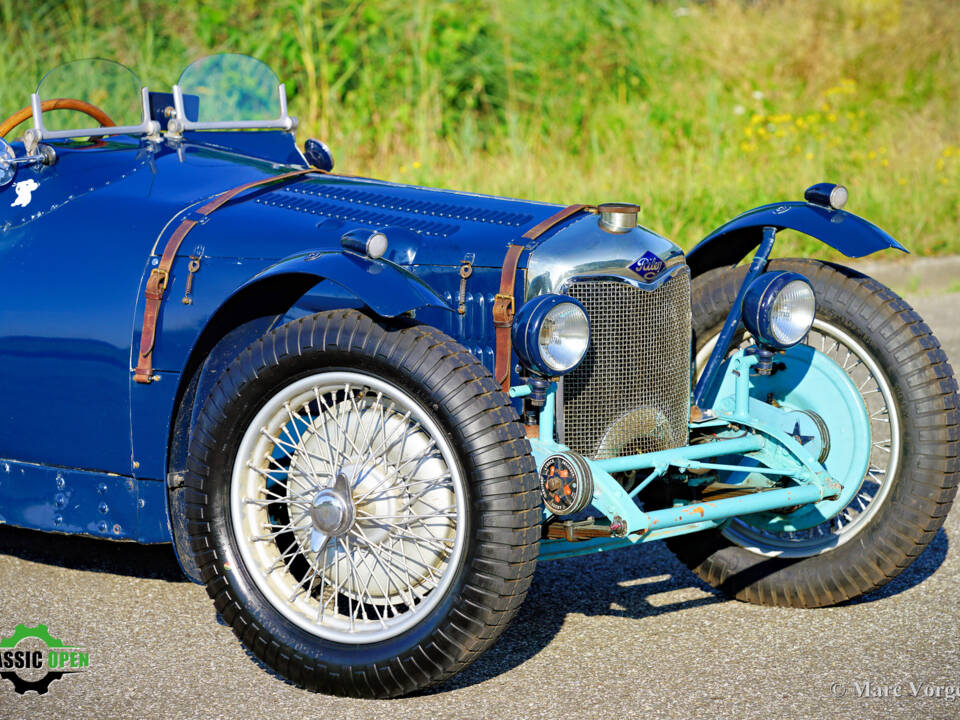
column 885, row 452
column 394, row 563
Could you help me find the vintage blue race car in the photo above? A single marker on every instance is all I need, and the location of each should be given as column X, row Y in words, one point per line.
column 361, row 411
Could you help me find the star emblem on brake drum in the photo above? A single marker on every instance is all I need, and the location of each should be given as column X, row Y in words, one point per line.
column 802, row 439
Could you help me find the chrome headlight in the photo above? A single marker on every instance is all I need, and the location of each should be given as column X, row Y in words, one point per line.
column 551, row 334
column 778, row 308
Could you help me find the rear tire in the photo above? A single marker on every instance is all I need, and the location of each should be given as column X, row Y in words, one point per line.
column 418, row 598
column 919, row 490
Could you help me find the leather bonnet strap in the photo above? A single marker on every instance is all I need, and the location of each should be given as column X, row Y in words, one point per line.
column 160, row 275
column 504, row 304
column 503, row 310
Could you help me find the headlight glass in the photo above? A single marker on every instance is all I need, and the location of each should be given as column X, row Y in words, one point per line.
column 564, row 336
column 791, row 314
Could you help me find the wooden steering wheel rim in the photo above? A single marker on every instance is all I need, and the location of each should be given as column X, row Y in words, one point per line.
column 58, row 104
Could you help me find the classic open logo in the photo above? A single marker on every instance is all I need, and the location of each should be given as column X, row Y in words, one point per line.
column 32, row 658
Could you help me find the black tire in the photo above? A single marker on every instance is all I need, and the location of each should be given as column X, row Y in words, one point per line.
column 923, row 485
column 502, row 508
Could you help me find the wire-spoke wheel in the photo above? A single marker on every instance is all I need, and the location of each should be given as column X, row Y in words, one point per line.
column 907, row 385
column 362, row 504
column 349, row 506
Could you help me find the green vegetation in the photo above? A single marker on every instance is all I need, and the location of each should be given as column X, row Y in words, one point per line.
column 695, row 111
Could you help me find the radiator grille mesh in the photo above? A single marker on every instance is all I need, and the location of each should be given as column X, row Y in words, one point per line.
column 631, row 393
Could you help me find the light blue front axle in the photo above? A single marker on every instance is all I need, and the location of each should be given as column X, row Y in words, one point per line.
column 761, row 435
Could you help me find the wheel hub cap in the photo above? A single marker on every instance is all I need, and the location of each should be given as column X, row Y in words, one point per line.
column 331, row 514
column 327, row 513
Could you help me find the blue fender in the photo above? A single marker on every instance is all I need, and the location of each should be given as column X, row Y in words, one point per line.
column 841, row 230
column 386, row 288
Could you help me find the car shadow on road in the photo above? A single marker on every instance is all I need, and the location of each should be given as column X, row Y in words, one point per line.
column 77, row 552
column 634, row 583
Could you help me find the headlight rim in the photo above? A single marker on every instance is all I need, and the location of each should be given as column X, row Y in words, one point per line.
column 526, row 332
column 758, row 302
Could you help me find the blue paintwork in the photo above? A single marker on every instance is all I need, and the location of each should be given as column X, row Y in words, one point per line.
column 75, row 501
column 399, row 290
column 73, row 263
column 474, row 329
column 841, row 230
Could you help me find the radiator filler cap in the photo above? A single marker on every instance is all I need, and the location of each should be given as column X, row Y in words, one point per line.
column 618, row 217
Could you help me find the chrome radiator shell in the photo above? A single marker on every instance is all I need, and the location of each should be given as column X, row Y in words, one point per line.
column 631, row 393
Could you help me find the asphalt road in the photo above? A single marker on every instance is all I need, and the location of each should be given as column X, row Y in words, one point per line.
column 623, row 635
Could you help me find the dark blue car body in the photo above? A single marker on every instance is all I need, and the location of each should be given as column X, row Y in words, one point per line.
column 84, row 448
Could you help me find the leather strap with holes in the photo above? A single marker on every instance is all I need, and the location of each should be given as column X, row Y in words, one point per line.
column 160, row 275
column 504, row 304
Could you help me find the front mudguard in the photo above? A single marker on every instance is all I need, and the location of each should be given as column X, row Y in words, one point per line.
column 386, row 288
column 730, row 243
